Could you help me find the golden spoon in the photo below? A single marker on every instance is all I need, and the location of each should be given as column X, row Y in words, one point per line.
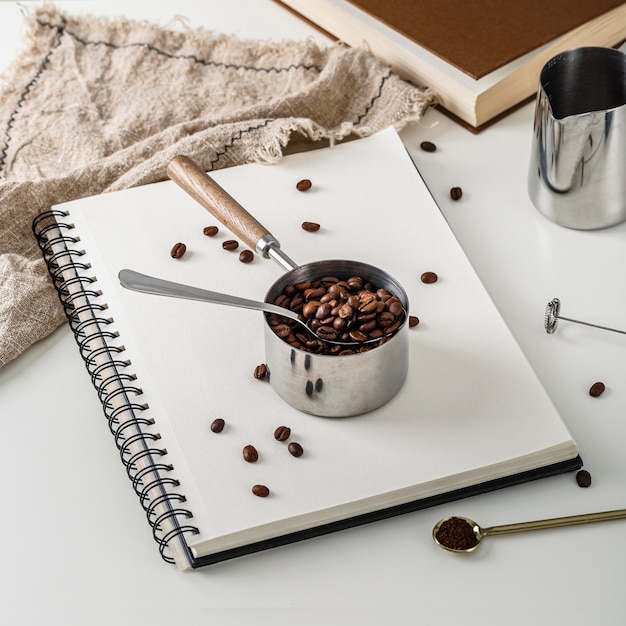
column 461, row 534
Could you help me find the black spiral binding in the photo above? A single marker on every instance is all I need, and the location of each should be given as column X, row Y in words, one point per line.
column 117, row 388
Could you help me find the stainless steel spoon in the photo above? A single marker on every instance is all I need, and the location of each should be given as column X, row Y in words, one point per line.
column 160, row 287
column 481, row 533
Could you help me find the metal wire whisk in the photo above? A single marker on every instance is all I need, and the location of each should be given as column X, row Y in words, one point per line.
column 552, row 318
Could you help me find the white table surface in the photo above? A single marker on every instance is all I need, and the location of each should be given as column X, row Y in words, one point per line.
column 76, row 548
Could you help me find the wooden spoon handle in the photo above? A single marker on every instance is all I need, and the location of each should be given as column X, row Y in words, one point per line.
column 200, row 186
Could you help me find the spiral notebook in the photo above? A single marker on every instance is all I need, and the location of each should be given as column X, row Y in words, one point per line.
column 471, row 417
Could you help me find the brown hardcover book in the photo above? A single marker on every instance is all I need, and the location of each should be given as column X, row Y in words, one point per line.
column 482, row 57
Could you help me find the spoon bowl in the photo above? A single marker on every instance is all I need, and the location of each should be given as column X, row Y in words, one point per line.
column 458, row 534
column 462, row 534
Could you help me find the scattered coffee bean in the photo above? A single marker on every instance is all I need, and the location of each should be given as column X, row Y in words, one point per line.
column 178, row 250
column 217, row 425
column 456, row 533
column 413, row 321
column 597, row 389
column 246, row 256
column 583, row 478
column 428, row 146
column 456, row 193
column 282, row 433
column 230, row 244
column 250, row 454
column 260, row 490
column 295, row 449
column 211, row 231
column 260, row 371
column 310, row 227
column 303, row 185
column 429, row 277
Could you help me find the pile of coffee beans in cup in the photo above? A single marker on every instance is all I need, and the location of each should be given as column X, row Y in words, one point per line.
column 351, row 311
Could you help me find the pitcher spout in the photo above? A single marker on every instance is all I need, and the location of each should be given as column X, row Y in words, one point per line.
column 578, row 154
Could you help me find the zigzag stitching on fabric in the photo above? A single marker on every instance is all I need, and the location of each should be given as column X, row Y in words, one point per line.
column 235, row 138
column 63, row 30
column 250, row 129
column 370, row 106
column 188, row 57
column 26, row 91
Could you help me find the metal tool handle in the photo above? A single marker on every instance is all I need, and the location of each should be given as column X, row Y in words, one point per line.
column 159, row 287
column 571, row 520
column 200, row 186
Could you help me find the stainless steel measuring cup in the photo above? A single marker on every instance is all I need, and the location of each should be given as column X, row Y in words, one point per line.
column 320, row 384
column 578, row 157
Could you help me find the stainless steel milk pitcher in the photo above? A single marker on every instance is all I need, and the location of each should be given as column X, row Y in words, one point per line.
column 577, row 174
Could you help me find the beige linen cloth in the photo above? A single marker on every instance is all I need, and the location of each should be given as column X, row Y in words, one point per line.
column 93, row 105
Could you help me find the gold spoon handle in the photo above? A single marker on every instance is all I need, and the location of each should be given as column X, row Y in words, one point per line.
column 555, row 522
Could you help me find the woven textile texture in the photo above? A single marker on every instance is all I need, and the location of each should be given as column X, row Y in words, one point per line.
column 92, row 105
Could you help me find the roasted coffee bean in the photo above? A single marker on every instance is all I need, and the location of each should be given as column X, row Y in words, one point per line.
column 392, row 329
column 230, row 244
column 429, row 277
column 315, row 325
column 304, row 184
column 323, row 312
column 260, row 490
column 368, row 327
column 310, row 227
column 345, row 311
column 428, row 146
column 456, row 193
column 395, row 308
column 362, row 318
column 334, row 308
column 260, row 371
column 282, row 300
column 295, row 449
column 282, row 330
column 386, row 318
column 297, row 303
column 250, row 454
column 217, row 425
column 583, row 478
column 413, row 321
column 310, row 309
column 355, row 282
column 211, row 231
column 327, row 333
column 282, row 433
column 597, row 389
column 178, row 250
column 314, row 294
column 358, row 336
column 339, row 324
column 368, row 307
column 246, row 256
